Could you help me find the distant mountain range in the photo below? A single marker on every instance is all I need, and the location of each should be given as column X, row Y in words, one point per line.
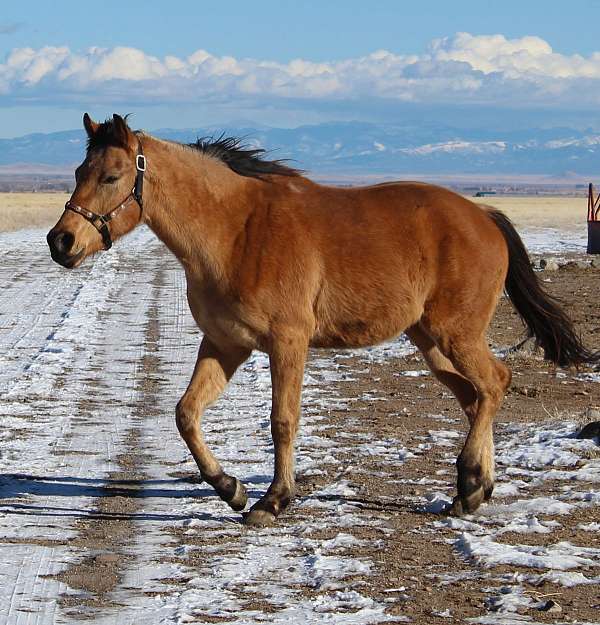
column 360, row 149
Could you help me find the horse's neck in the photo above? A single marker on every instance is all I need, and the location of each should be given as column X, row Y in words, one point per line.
column 195, row 205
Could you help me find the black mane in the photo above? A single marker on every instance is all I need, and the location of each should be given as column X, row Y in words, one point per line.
column 242, row 159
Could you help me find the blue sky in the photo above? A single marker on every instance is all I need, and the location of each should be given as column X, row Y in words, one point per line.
column 284, row 30
column 196, row 63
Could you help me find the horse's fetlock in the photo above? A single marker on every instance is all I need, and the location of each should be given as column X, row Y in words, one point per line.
column 225, row 485
column 270, row 504
column 466, row 466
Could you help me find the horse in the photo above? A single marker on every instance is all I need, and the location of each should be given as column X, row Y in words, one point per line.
column 278, row 263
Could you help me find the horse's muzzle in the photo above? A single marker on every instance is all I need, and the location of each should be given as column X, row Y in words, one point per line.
column 60, row 243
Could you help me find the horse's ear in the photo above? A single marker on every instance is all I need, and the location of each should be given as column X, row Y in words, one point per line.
column 121, row 130
column 90, row 125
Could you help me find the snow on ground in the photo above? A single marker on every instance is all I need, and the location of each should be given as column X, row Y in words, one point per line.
column 63, row 417
column 71, row 380
column 554, row 242
column 529, row 457
column 72, row 350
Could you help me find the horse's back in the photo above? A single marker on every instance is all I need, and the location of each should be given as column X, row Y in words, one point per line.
column 411, row 228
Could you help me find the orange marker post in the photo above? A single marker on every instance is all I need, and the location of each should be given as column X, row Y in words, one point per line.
column 593, row 222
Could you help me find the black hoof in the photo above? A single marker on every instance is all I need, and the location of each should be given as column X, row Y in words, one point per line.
column 259, row 518
column 230, row 490
column 240, row 497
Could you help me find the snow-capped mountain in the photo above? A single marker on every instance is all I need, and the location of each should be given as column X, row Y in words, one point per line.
column 359, row 148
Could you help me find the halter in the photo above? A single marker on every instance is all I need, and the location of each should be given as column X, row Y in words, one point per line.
column 100, row 222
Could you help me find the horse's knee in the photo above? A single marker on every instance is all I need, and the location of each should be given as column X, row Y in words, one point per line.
column 186, row 415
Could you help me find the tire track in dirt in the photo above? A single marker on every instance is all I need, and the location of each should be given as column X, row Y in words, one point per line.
column 112, row 527
column 65, row 427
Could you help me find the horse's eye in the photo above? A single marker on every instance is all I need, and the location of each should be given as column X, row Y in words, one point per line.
column 110, row 179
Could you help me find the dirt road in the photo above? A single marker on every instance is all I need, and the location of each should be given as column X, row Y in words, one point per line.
column 102, row 518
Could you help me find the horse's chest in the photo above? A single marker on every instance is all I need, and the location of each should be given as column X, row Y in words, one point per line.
column 219, row 322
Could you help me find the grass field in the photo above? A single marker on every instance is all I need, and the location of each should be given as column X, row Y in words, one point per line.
column 562, row 213
column 30, row 210
column 39, row 210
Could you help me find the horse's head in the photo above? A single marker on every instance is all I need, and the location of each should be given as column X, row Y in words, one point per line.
column 106, row 202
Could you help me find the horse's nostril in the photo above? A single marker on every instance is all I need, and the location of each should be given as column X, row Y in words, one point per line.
column 63, row 242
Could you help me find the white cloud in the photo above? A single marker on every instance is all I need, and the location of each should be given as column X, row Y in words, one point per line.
column 128, row 64
column 514, row 58
column 464, row 68
column 29, row 66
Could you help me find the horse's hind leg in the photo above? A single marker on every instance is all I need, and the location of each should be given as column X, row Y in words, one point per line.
column 479, row 381
column 214, row 368
column 444, row 370
column 475, row 464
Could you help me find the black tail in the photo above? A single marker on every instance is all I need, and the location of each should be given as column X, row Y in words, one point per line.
column 542, row 314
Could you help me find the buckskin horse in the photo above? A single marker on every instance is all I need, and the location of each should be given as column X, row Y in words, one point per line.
column 279, row 263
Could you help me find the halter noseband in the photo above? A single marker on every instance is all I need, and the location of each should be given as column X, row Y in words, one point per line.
column 100, row 222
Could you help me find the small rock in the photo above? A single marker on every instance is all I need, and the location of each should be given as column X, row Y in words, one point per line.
column 527, row 347
column 593, row 413
column 525, row 391
column 551, row 607
column 591, row 430
column 106, row 558
column 595, row 262
column 548, row 264
column 575, row 264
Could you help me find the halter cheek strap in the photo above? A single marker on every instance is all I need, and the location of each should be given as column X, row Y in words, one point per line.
column 100, row 222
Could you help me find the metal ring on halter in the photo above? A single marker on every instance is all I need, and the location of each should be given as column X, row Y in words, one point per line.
column 100, row 222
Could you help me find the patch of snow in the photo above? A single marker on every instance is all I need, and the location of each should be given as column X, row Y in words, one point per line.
column 436, row 502
column 589, row 527
column 561, row 556
column 414, row 374
column 465, row 147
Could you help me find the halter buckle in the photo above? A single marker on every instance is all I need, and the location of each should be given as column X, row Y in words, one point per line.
column 140, row 162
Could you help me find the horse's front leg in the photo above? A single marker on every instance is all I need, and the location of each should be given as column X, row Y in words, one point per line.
column 214, row 368
column 287, row 359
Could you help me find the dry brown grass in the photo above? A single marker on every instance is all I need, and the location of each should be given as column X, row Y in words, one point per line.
column 563, row 213
column 40, row 210
column 30, row 210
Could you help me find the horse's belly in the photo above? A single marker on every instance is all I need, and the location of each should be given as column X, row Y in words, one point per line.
column 363, row 321
column 360, row 333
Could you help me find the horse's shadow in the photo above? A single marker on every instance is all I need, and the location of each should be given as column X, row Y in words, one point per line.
column 15, row 487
